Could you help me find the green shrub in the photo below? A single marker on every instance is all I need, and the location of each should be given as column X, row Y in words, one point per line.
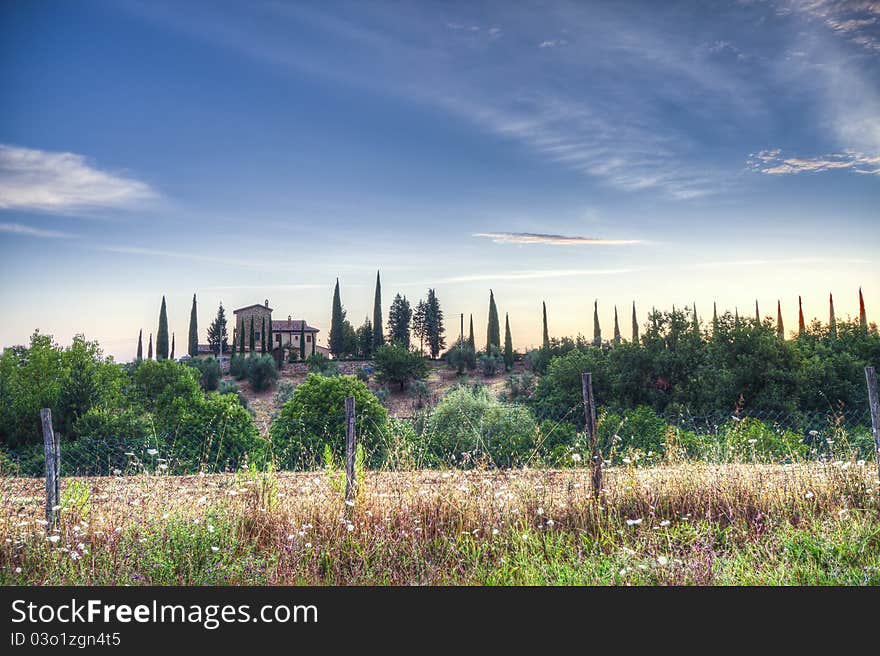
column 461, row 357
column 519, row 387
column 468, row 427
column 228, row 387
column 283, row 393
column 634, row 434
column 209, row 370
column 396, row 364
column 238, row 367
column 322, row 365
column 261, row 372
column 491, row 362
column 315, row 416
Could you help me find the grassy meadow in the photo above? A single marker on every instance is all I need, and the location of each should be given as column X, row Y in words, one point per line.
column 678, row 524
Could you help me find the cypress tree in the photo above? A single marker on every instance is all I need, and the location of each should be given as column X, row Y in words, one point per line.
column 140, row 351
column 780, row 329
column 508, row 344
column 378, row 336
column 802, row 327
column 493, row 329
column 241, row 338
column 736, row 317
column 434, row 328
column 757, row 314
column 193, row 347
column 832, row 320
column 172, row 346
column 302, row 340
column 150, row 348
column 616, row 328
column 635, row 325
column 252, row 344
column 217, row 334
column 546, row 343
column 714, row 318
column 337, row 329
column 162, row 335
column 863, row 317
column 234, row 341
column 696, row 323
column 262, row 334
column 399, row 320
column 597, row 329
column 269, row 345
column 471, row 341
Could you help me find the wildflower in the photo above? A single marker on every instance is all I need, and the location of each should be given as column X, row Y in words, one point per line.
column 117, row 472
column 540, row 511
column 349, row 502
column 662, row 561
column 627, row 461
column 623, row 571
column 152, row 452
column 843, row 512
column 349, row 527
column 495, row 531
column 550, row 522
column 634, row 522
column 665, row 522
column 163, row 467
column 308, row 545
column 525, row 536
column 575, row 457
column 53, row 538
column 18, row 570
column 210, row 528
column 753, row 441
column 215, row 549
column 808, row 495
column 74, row 555
column 814, row 433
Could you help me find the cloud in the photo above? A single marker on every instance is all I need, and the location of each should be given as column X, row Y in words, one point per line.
column 60, row 182
column 772, row 162
column 554, row 240
column 27, row 231
column 553, row 43
column 855, row 20
column 535, row 274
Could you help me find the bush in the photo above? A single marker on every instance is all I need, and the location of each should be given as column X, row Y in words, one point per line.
column 209, row 370
column 491, row 362
column 398, row 365
column 238, row 367
column 228, row 387
column 261, row 372
column 468, row 426
column 634, row 434
column 462, row 357
column 322, row 365
column 315, row 416
column 519, row 387
column 559, row 393
column 283, row 394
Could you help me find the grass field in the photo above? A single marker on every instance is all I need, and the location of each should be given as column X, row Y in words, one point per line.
column 678, row 524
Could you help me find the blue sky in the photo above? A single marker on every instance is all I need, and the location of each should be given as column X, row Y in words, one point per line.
column 662, row 153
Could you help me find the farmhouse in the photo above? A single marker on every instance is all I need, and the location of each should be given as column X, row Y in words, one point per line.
column 286, row 334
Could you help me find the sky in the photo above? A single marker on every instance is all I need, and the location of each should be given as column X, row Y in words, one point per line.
column 662, row 154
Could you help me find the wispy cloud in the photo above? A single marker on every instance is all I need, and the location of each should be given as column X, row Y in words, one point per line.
column 553, row 240
column 553, row 43
column 855, row 20
column 257, row 263
column 27, row 231
column 61, row 182
column 773, row 162
column 534, row 275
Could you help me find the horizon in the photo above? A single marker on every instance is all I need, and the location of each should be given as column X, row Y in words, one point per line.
column 698, row 153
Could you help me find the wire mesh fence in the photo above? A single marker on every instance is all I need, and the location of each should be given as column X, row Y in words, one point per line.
column 463, row 432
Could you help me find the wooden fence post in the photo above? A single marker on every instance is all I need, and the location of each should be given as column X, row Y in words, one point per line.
column 57, row 451
column 51, row 480
column 350, row 481
column 874, row 403
column 590, row 416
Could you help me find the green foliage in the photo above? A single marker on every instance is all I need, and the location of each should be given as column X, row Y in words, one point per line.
column 337, row 328
column 238, row 367
column 378, row 337
column 519, row 387
column 490, row 363
column 193, row 343
column 433, row 325
column 217, row 336
column 261, row 372
column 469, row 427
column 399, row 318
column 322, row 365
column 462, row 357
column 364, row 338
column 508, row 344
column 398, row 365
column 209, row 372
column 228, row 387
column 493, row 329
column 314, row 417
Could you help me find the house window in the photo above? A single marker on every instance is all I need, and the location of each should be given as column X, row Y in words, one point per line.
column 278, row 339
column 308, row 338
column 257, row 335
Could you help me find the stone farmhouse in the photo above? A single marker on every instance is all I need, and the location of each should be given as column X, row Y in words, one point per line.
column 285, row 333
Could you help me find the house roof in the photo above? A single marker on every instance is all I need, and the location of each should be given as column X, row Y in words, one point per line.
column 255, row 305
column 293, row 325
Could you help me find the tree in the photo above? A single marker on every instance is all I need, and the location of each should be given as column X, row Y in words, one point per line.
column 140, row 351
column 696, row 323
column 493, row 329
column 162, row 335
column 545, row 344
column 234, row 342
column 802, row 328
column 337, row 327
column 471, row 342
column 780, row 329
column 714, row 319
column 508, row 344
column 863, row 317
column 262, row 334
column 378, row 337
column 193, row 347
column 597, row 329
column 252, row 345
column 172, row 346
column 150, row 349
column 302, row 340
column 350, row 348
column 832, row 320
column 399, row 317
column 241, row 338
column 269, row 345
column 617, row 337
column 433, row 325
column 418, row 323
column 217, row 336
column 395, row 363
column 635, row 326
column 365, row 339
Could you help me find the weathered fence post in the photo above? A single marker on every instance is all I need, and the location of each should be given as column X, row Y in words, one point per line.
column 350, row 482
column 51, row 461
column 57, row 452
column 874, row 403
column 590, row 416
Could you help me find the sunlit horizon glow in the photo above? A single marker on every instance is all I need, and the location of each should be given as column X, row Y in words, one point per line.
column 667, row 155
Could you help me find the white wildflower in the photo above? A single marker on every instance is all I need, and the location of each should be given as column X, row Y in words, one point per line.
column 634, row 522
column 215, row 549
column 662, row 561
column 575, row 457
column 808, row 495
column 53, row 538
column 665, row 522
column 152, row 452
